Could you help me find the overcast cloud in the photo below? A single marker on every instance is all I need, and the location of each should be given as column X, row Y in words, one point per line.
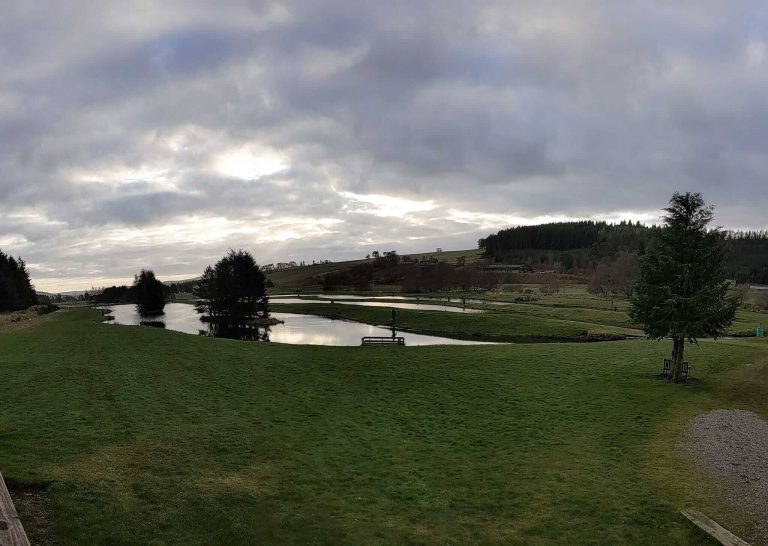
column 161, row 133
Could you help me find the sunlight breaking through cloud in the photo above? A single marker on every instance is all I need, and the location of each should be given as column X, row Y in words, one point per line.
column 385, row 206
column 251, row 163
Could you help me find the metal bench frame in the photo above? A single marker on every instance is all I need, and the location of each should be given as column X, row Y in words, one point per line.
column 382, row 340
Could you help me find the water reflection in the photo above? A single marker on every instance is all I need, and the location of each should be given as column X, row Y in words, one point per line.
column 153, row 323
column 297, row 329
column 397, row 305
column 241, row 331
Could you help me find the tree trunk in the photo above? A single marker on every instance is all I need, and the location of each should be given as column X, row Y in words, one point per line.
column 678, row 351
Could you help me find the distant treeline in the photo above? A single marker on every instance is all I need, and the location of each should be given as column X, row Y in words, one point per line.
column 581, row 246
column 16, row 291
column 567, row 246
column 121, row 294
column 747, row 256
column 115, row 294
column 563, row 236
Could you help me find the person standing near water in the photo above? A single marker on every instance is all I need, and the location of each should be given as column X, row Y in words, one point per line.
column 394, row 317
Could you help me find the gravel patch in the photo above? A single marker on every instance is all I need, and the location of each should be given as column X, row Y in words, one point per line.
column 732, row 447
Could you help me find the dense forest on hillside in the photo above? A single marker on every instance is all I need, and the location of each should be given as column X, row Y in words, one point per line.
column 565, row 246
column 747, row 256
column 16, row 291
column 581, row 246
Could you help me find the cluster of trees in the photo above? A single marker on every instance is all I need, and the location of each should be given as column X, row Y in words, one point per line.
column 554, row 236
column 230, row 292
column 234, row 290
column 442, row 276
column 761, row 301
column 388, row 259
column 747, row 256
column 62, row 298
column 389, row 268
column 114, row 294
column 360, row 277
column 16, row 290
column 583, row 246
column 271, row 268
column 380, row 269
column 565, row 242
column 615, row 277
column 147, row 292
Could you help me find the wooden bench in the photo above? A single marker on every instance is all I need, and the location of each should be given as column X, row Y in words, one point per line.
column 380, row 340
column 666, row 369
column 11, row 531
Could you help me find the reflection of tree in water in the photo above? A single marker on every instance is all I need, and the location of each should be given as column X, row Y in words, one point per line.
column 153, row 323
column 241, row 331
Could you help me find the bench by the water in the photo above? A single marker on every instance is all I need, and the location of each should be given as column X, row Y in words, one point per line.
column 11, row 531
column 666, row 369
column 380, row 340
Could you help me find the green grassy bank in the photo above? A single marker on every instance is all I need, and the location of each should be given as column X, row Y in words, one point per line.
column 128, row 435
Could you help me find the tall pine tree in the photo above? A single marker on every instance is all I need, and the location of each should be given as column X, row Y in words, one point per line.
column 16, row 290
column 682, row 292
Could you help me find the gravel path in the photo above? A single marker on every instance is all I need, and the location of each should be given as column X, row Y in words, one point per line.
column 732, row 446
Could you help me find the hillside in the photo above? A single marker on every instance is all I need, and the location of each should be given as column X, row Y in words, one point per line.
column 307, row 278
column 580, row 246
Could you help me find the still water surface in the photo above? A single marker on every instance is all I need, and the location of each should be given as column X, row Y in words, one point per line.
column 348, row 300
column 355, row 297
column 297, row 330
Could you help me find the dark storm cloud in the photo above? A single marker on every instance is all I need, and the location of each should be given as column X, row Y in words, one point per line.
column 163, row 133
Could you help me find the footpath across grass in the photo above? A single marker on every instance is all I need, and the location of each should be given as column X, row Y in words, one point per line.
column 132, row 435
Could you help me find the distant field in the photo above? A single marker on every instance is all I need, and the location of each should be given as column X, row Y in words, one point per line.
column 450, row 256
column 302, row 278
column 129, row 435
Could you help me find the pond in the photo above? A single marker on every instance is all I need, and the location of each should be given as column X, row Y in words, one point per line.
column 396, row 304
column 297, row 330
column 354, row 297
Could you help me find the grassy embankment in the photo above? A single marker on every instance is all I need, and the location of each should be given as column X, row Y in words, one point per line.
column 130, row 435
column 304, row 278
column 22, row 319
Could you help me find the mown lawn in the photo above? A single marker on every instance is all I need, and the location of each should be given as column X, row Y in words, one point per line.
column 140, row 436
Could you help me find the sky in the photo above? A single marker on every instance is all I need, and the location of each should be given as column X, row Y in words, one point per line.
column 159, row 134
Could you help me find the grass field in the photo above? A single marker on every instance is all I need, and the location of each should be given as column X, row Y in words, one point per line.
column 129, row 435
